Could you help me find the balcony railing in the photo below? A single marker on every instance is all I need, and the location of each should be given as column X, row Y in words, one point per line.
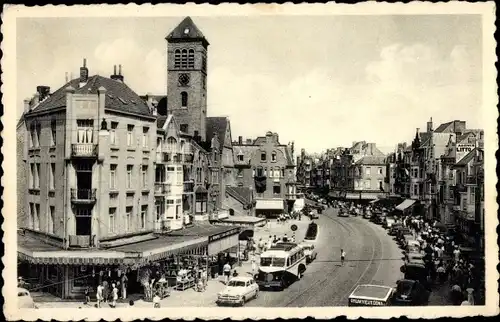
column 471, row 180
column 188, row 186
column 84, row 150
column 162, row 188
column 79, row 241
column 83, row 196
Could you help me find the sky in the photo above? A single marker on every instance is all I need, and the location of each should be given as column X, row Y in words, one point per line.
column 320, row 81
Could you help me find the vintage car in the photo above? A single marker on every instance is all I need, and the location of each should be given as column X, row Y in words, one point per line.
column 24, row 299
column 412, row 246
column 309, row 251
column 411, row 293
column 238, row 291
column 343, row 212
column 388, row 222
column 395, row 227
column 371, row 295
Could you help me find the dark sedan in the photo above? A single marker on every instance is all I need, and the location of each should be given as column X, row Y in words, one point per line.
column 410, row 293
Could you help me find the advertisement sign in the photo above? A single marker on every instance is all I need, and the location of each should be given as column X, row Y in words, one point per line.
column 363, row 302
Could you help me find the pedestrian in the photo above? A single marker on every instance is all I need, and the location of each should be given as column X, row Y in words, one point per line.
column 254, row 265
column 156, row 301
column 105, row 291
column 87, row 295
column 99, row 295
column 204, row 278
column 470, row 295
column 114, row 294
column 124, row 285
column 227, row 272
column 342, row 257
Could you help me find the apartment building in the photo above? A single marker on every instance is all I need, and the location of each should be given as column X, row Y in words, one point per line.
column 266, row 166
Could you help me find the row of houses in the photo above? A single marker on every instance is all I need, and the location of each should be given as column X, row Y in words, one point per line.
column 441, row 174
column 102, row 168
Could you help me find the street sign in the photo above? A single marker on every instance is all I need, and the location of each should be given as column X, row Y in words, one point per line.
column 293, row 227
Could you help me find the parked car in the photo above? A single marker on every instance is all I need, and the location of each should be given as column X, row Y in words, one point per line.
column 239, row 290
column 410, row 292
column 395, row 227
column 309, row 251
column 343, row 213
column 24, row 299
column 388, row 222
column 379, row 219
column 367, row 214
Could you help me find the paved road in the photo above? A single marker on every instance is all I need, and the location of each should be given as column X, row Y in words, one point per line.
column 372, row 257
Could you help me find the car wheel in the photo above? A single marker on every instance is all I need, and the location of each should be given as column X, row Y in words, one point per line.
column 243, row 300
column 256, row 294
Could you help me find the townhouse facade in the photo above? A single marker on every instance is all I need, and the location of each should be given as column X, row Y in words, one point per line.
column 304, row 170
column 266, row 166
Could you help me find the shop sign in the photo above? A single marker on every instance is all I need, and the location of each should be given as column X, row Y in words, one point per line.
column 223, row 235
column 465, row 147
column 363, row 302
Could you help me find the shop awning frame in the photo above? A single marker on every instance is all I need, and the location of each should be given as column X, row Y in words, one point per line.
column 405, row 204
column 269, row 204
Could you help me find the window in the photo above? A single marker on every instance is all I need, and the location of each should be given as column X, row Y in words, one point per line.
column 177, row 211
column 273, row 157
column 38, row 129
column 184, row 128
column 37, row 175
column 31, row 215
column 52, row 176
column 144, row 213
column 112, row 176
column 85, row 131
column 112, row 219
column 240, row 173
column 37, row 217
column 53, row 131
column 191, row 58
column 282, row 172
column 276, row 190
column 240, row 157
column 112, row 133
column 32, row 136
column 367, row 184
column 380, row 170
column 184, row 99
column 51, row 226
column 380, row 185
column 368, row 171
column 177, row 58
column 263, row 156
column 128, row 217
column 32, row 174
column 145, row 131
column 129, row 175
column 144, row 176
column 130, row 135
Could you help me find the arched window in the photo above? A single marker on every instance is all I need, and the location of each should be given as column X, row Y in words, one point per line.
column 184, row 99
column 190, row 58
column 184, row 58
column 273, row 156
column 177, row 58
column 171, row 141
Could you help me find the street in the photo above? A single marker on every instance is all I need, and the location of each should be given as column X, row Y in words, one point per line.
column 371, row 257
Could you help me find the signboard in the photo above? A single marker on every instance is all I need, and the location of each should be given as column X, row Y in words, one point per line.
column 363, row 302
column 294, row 227
column 223, row 235
column 465, row 147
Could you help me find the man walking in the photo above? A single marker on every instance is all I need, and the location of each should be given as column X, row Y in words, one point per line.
column 227, row 272
column 342, row 257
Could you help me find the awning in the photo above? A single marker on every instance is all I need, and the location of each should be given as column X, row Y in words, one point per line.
column 374, row 201
column 405, row 204
column 270, row 204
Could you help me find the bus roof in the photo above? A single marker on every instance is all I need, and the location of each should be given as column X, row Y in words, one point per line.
column 284, row 246
column 372, row 292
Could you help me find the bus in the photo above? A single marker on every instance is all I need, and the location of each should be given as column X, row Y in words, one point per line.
column 281, row 265
column 371, row 295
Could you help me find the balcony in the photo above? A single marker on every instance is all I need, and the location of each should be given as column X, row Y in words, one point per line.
column 171, row 149
column 162, row 188
column 79, row 241
column 188, row 186
column 83, row 196
column 84, row 150
column 471, row 180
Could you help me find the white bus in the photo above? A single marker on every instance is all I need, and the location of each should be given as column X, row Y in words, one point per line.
column 281, row 265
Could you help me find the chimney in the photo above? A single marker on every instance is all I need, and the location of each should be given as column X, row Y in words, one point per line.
column 84, row 73
column 27, row 105
column 429, row 126
column 36, row 99
column 118, row 77
column 240, row 140
column 43, row 92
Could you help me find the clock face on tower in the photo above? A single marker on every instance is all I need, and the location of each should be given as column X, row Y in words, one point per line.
column 184, row 79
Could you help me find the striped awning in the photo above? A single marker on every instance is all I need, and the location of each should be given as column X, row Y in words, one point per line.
column 66, row 257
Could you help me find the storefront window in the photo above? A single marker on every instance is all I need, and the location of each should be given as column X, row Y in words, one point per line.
column 80, row 276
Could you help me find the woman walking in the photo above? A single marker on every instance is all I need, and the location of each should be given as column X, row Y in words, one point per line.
column 342, row 257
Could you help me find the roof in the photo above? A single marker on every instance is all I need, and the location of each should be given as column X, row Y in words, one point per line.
column 148, row 245
column 284, row 246
column 443, row 127
column 372, row 291
column 217, row 126
column 248, row 150
column 374, row 160
column 34, row 244
column 467, row 158
column 242, row 194
column 160, row 121
column 243, row 219
column 242, row 278
column 186, row 30
column 119, row 96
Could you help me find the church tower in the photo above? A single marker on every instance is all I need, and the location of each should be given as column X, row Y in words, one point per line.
column 187, row 77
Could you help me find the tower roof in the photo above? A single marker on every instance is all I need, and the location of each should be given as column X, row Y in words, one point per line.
column 186, row 31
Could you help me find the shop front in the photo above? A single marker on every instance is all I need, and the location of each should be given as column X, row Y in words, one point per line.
column 269, row 208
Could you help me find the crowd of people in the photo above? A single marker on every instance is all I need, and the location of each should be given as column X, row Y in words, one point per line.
column 445, row 262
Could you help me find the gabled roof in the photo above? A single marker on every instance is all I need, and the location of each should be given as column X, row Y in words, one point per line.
column 443, row 127
column 186, row 30
column 160, row 121
column 119, row 96
column 371, row 160
column 242, row 194
column 467, row 158
column 217, row 126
